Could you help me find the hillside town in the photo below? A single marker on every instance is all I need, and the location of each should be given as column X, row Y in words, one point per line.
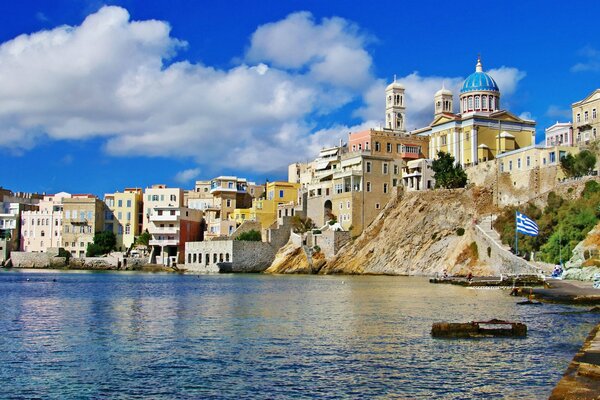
column 325, row 202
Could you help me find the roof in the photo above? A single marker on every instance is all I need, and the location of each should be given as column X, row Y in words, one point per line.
column 479, row 81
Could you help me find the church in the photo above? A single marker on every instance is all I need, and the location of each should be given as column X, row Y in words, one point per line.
column 480, row 131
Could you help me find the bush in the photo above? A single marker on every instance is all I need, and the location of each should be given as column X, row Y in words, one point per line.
column 144, row 238
column 317, row 249
column 251, row 236
column 104, row 243
column 447, row 174
column 94, row 250
column 460, row 231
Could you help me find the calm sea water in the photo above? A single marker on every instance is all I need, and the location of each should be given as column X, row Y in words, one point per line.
column 135, row 335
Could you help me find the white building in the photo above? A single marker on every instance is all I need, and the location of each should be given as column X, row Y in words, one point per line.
column 42, row 229
column 559, row 134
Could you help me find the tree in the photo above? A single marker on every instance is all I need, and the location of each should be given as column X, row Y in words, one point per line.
column 104, row 242
column 301, row 225
column 252, row 235
column 447, row 174
column 144, row 238
column 581, row 164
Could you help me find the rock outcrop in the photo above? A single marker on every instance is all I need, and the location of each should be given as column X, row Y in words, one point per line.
column 585, row 258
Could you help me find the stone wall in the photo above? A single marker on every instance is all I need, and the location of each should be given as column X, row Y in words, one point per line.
column 246, row 226
column 330, row 241
column 279, row 237
column 93, row 263
column 500, row 261
column 228, row 256
column 21, row 259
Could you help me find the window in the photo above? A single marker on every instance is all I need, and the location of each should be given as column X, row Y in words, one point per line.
column 510, row 165
column 385, row 168
column 128, row 203
column 172, row 212
column 127, row 229
column 470, row 103
column 359, row 147
column 552, row 157
column 366, row 146
column 353, row 147
column 444, row 140
column 120, row 229
column 348, row 204
column 585, row 116
column 120, row 215
column 484, row 102
column 368, row 168
column 377, row 146
column 477, row 102
column 501, row 167
column 389, row 147
column 173, row 197
column 228, row 203
column 396, row 169
column 518, row 163
column 385, row 188
column 492, row 103
column 593, row 113
column 341, row 205
column 128, row 216
column 465, row 104
column 578, row 117
column 377, row 206
column 162, row 197
column 528, row 161
column 368, row 186
column 89, row 215
column 119, row 203
column 42, row 233
column 281, row 194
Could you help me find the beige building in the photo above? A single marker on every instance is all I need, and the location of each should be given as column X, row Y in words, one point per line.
column 83, row 217
column 418, row 175
column 586, row 121
column 42, row 229
column 533, row 157
column 11, row 207
column 125, row 216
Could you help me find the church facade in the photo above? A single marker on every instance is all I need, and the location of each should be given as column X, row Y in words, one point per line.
column 481, row 130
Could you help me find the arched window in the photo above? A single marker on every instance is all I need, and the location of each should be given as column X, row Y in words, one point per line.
column 492, row 103
column 227, row 257
column 477, row 107
column 470, row 103
column 484, row 103
column 42, row 233
column 464, row 104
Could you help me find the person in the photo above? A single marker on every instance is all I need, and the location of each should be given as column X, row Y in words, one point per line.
column 470, row 277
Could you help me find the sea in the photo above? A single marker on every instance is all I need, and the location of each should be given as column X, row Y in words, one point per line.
column 129, row 335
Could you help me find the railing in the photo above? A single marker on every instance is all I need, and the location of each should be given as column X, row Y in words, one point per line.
column 164, row 217
column 163, row 229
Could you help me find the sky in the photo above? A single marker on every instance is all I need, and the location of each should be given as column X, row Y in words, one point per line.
column 99, row 96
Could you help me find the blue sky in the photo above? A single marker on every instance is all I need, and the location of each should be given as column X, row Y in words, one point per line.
column 99, row 96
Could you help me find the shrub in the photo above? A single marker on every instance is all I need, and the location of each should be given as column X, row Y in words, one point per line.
column 317, row 249
column 251, row 236
column 104, row 243
column 460, row 231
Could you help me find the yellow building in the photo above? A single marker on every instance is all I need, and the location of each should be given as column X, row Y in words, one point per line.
column 481, row 130
column 125, row 217
column 586, row 118
column 83, row 217
column 264, row 209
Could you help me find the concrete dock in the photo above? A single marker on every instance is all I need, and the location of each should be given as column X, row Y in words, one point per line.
column 581, row 381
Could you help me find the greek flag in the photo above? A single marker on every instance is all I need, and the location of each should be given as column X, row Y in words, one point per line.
column 526, row 225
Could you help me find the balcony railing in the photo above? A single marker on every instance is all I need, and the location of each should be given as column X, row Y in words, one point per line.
column 164, row 217
column 164, row 242
column 163, row 229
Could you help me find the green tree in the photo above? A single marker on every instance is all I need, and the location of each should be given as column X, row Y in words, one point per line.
column 252, row 235
column 579, row 165
column 302, row 225
column 104, row 242
column 144, row 238
column 447, row 174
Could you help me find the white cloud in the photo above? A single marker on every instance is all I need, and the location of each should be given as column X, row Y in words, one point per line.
column 592, row 62
column 187, row 175
column 559, row 113
column 526, row 115
column 507, row 79
column 110, row 77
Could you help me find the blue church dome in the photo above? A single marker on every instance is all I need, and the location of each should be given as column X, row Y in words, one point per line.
column 479, row 81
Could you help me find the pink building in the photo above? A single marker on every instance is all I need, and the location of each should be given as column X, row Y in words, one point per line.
column 42, row 229
column 389, row 143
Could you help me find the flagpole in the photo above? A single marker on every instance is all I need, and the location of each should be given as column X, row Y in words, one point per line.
column 516, row 236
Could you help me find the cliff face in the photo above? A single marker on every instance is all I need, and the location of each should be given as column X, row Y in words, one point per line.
column 585, row 259
column 418, row 234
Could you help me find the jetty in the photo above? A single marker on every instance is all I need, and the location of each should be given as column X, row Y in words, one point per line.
column 507, row 281
column 582, row 378
column 479, row 329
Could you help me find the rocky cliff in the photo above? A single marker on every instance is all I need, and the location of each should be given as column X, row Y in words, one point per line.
column 417, row 233
column 585, row 259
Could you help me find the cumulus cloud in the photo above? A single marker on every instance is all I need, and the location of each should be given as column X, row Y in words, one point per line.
column 114, row 78
column 507, row 79
column 187, row 175
column 592, row 62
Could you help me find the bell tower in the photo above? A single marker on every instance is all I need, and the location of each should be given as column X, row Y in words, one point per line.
column 442, row 101
column 395, row 107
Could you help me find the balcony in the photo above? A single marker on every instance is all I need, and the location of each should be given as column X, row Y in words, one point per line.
column 410, row 155
column 163, row 230
column 78, row 221
column 164, row 242
column 164, row 217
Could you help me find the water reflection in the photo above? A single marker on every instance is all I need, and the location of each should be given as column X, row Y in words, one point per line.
column 164, row 336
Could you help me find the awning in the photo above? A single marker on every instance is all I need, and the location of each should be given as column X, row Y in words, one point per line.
column 326, row 153
column 351, row 161
column 322, row 164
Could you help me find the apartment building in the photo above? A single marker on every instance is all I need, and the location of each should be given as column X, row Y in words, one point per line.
column 42, row 229
column 125, row 215
column 586, row 121
column 83, row 217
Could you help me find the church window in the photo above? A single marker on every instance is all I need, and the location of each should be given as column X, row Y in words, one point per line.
column 477, row 103
column 484, row 102
column 438, row 105
column 401, row 100
column 389, row 99
column 470, row 103
column 492, row 103
column 465, row 104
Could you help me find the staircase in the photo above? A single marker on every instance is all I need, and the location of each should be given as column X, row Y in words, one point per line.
column 485, row 226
